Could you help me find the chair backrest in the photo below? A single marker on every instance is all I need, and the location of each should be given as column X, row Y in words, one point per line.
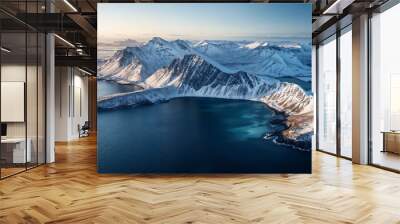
column 86, row 125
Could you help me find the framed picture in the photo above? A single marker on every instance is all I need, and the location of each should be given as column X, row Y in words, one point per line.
column 204, row 88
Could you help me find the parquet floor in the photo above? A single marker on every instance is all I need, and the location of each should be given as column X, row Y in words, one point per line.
column 70, row 191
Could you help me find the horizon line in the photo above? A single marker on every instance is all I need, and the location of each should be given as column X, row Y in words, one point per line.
column 191, row 39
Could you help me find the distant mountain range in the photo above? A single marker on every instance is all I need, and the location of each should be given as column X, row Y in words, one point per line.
column 262, row 58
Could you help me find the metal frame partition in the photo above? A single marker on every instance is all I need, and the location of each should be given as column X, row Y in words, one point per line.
column 41, row 144
column 382, row 8
column 338, row 33
column 317, row 94
column 337, row 29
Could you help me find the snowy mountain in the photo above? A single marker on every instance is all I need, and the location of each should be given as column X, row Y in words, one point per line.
column 139, row 62
column 276, row 59
column 289, row 98
column 261, row 58
column 194, row 76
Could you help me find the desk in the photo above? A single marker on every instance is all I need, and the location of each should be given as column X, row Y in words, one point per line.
column 19, row 154
column 391, row 141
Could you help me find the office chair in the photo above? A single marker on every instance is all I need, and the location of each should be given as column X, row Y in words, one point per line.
column 84, row 130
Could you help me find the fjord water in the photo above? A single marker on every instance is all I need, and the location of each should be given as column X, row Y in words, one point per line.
column 109, row 87
column 194, row 135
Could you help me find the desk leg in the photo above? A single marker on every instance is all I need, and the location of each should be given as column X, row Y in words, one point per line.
column 384, row 142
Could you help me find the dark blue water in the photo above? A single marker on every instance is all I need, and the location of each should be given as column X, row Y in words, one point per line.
column 105, row 88
column 194, row 135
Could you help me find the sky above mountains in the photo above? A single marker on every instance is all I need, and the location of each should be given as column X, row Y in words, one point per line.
column 228, row 21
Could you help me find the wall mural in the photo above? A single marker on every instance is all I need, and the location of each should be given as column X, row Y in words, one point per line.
column 204, row 88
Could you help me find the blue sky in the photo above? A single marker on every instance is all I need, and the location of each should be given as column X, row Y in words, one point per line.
column 229, row 21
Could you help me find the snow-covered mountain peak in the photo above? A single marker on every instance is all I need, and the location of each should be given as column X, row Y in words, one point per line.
column 182, row 43
column 274, row 59
column 290, row 45
column 135, row 64
column 157, row 40
column 200, row 43
column 253, row 45
column 179, row 70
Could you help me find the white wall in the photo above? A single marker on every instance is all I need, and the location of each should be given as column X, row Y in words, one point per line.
column 71, row 102
column 80, row 105
column 33, row 125
column 12, row 73
column 62, row 82
column 17, row 73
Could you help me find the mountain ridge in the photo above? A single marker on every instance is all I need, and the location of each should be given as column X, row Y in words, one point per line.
column 186, row 75
column 277, row 59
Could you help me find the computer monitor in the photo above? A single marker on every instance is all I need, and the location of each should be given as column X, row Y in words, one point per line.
column 3, row 129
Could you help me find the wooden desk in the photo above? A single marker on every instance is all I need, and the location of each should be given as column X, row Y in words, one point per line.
column 19, row 154
column 391, row 141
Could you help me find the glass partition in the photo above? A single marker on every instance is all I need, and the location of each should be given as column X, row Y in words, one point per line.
column 14, row 153
column 22, row 77
column 31, row 97
column 346, row 92
column 41, row 97
column 385, row 89
column 327, row 96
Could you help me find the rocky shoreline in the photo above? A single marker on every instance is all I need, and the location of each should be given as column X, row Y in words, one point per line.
column 297, row 132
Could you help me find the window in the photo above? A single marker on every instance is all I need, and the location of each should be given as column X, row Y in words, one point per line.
column 327, row 96
column 385, row 89
column 346, row 93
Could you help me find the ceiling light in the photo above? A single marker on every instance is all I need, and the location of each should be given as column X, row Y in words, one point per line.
column 5, row 50
column 331, row 7
column 86, row 72
column 337, row 7
column 64, row 40
column 70, row 5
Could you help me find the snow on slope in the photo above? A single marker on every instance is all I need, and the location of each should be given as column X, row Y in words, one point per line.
column 289, row 98
column 194, row 76
column 262, row 58
column 135, row 64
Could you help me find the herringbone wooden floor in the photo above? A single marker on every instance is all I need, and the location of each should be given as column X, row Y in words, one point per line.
column 70, row 191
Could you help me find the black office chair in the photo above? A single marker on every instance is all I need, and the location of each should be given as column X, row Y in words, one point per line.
column 84, row 130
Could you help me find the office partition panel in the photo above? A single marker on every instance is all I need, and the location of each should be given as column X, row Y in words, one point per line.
column 15, row 149
column 346, row 92
column 32, row 96
column 385, row 90
column 22, row 77
column 327, row 74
